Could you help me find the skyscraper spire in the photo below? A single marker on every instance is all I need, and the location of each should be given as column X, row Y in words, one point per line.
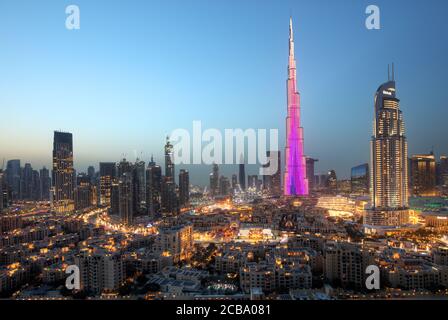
column 295, row 181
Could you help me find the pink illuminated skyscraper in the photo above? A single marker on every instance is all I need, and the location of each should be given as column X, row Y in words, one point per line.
column 295, row 181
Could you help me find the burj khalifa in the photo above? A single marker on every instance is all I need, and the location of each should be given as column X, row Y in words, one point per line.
column 295, row 180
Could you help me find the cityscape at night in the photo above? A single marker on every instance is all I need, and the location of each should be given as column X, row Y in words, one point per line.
column 334, row 195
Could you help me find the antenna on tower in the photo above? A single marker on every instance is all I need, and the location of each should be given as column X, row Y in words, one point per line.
column 393, row 72
column 388, row 72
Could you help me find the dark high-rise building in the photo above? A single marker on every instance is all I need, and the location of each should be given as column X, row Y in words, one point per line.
column 359, row 180
column 125, row 194
column 123, row 167
column 45, row 184
column 63, row 172
column 115, row 198
column 139, row 176
column 107, row 176
column 184, row 187
column 153, row 188
column 83, row 192
column 423, row 175
column 169, row 161
column 13, row 172
column 214, row 180
column 91, row 174
column 170, row 201
column 272, row 183
column 36, row 193
column 242, row 174
column 310, row 166
column 26, row 182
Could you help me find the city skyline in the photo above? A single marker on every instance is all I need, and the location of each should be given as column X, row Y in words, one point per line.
column 177, row 170
column 97, row 141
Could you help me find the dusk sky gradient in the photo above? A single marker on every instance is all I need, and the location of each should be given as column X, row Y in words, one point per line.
column 137, row 70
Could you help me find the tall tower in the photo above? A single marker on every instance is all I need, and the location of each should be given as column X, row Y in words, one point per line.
column 242, row 174
column 63, row 172
column 295, row 181
column 169, row 164
column 389, row 165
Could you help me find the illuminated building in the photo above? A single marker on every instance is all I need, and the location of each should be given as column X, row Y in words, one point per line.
column 272, row 183
column 153, row 188
column 345, row 263
column 423, row 175
column 242, row 174
column 389, row 166
column 100, row 270
column 169, row 164
column 184, row 187
column 310, row 165
column 295, row 181
column 442, row 171
column 269, row 277
column 359, row 180
column 436, row 218
column 107, row 176
column 63, row 172
column 176, row 241
column 125, row 196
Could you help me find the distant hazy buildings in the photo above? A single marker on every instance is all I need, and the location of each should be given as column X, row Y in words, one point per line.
column 63, row 181
column 389, row 166
column 423, row 175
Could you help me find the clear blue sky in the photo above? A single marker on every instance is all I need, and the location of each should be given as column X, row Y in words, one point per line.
column 136, row 70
